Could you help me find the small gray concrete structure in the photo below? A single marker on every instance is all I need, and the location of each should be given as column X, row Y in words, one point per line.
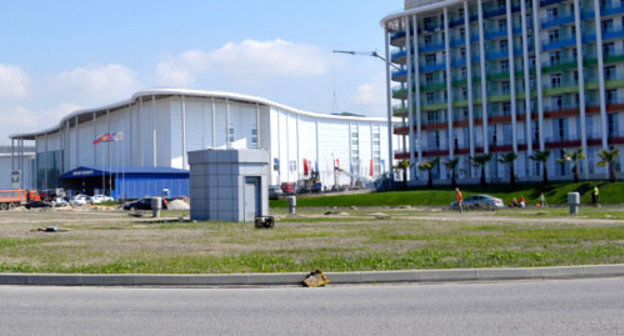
column 229, row 185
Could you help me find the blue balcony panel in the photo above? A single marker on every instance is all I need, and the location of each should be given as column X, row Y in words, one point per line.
column 545, row 3
column 495, row 34
column 397, row 35
column 559, row 44
column 612, row 10
column 554, row 22
column 431, row 48
column 399, row 73
column 398, row 54
column 496, row 55
column 613, row 34
column 433, row 67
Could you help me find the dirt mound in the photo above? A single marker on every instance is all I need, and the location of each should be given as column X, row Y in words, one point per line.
column 178, row 205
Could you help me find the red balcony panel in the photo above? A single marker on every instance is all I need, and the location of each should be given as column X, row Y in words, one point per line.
column 402, row 156
column 434, row 126
column 478, row 121
column 401, row 130
column 463, row 123
column 563, row 144
column 616, row 141
column 615, row 107
column 462, row 151
column 499, row 119
column 503, row 148
column 523, row 146
column 594, row 142
column 562, row 113
column 592, row 109
column 479, row 150
column 436, row 153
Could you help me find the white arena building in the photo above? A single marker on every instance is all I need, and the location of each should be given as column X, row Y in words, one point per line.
column 160, row 126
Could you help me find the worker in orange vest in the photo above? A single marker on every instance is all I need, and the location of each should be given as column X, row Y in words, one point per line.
column 459, row 198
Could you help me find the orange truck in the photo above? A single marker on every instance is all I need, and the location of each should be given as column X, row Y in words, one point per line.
column 17, row 197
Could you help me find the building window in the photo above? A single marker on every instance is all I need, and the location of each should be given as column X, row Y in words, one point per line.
column 430, row 97
column 506, row 107
column 504, row 65
column 611, row 96
column 505, row 87
column 430, row 59
column 427, row 39
column 464, row 93
column 555, row 80
column 553, row 13
column 612, row 125
column 610, row 72
column 502, row 45
column 429, row 78
column 553, row 35
column 607, row 26
column 462, row 33
column 608, row 49
column 502, row 24
column 555, row 57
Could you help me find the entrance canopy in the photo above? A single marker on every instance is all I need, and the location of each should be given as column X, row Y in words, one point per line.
column 129, row 182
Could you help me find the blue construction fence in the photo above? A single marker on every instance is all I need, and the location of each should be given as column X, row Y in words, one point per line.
column 134, row 187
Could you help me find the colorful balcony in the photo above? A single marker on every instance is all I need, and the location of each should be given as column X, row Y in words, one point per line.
column 433, row 86
column 399, row 93
column 557, row 21
column 430, row 47
column 399, row 75
column 399, row 56
column 612, row 10
column 400, row 111
column 568, row 87
column 561, row 43
column 433, row 67
column 397, row 39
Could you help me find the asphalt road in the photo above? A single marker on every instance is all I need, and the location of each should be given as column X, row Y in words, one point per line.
column 566, row 307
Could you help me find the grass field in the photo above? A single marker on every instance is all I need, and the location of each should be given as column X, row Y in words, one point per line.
column 610, row 193
column 355, row 240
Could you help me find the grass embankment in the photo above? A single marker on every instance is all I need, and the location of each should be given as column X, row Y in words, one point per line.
column 556, row 193
column 357, row 242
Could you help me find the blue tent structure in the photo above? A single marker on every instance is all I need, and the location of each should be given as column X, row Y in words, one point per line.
column 129, row 183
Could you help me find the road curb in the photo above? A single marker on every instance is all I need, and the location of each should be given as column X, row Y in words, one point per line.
column 277, row 279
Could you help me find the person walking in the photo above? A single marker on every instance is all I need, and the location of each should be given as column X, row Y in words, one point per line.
column 596, row 196
column 543, row 201
column 459, row 198
column 522, row 202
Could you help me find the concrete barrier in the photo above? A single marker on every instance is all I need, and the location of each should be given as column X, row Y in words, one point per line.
column 280, row 279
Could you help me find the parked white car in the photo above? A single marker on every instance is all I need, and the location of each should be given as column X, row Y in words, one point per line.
column 94, row 199
column 78, row 200
column 99, row 198
column 60, row 202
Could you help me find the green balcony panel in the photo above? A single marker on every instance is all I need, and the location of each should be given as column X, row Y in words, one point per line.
column 433, row 107
column 614, row 59
column 400, row 112
column 591, row 86
column 433, row 87
column 559, row 67
column 399, row 94
column 561, row 90
column 499, row 98
column 614, row 84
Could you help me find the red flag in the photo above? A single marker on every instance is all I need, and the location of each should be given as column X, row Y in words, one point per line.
column 306, row 168
column 338, row 163
column 372, row 171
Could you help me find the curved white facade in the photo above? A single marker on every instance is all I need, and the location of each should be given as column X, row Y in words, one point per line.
column 160, row 126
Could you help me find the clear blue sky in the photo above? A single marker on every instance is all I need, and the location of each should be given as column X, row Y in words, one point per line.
column 60, row 55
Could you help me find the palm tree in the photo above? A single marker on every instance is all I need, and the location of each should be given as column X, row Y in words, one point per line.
column 429, row 166
column 403, row 165
column 509, row 159
column 481, row 160
column 451, row 165
column 542, row 156
column 608, row 157
column 573, row 156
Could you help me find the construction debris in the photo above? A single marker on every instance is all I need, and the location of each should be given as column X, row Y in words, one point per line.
column 316, row 279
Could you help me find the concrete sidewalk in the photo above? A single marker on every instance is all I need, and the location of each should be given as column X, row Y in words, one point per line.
column 277, row 279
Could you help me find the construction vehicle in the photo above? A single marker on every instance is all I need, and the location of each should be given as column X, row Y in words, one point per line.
column 12, row 198
column 311, row 185
column 356, row 181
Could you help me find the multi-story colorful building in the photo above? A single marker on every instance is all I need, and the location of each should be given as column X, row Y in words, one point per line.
column 500, row 76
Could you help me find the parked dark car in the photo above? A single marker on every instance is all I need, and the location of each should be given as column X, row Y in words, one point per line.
column 143, row 204
column 38, row 204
